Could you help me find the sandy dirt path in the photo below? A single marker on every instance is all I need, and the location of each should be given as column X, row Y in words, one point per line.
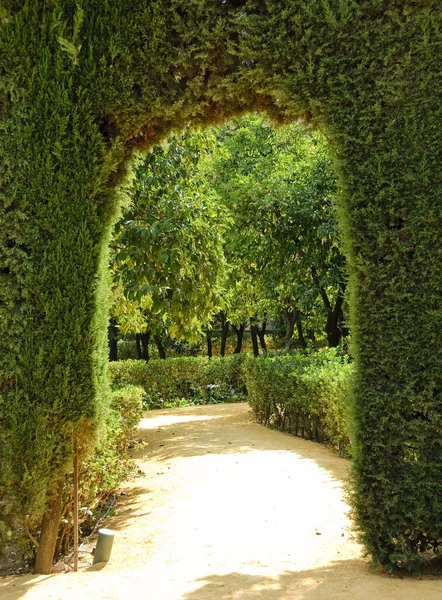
column 228, row 510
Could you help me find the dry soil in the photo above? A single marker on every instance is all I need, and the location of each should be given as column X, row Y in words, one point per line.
column 227, row 509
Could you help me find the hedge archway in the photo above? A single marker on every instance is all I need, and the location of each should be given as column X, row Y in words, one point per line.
column 83, row 84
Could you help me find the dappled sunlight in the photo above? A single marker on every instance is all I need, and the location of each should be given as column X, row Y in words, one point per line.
column 226, row 429
column 163, row 420
column 225, row 509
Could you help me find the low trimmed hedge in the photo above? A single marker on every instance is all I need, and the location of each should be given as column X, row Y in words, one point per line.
column 303, row 394
column 183, row 380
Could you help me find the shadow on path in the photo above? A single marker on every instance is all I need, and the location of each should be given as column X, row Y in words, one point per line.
column 349, row 579
column 201, row 430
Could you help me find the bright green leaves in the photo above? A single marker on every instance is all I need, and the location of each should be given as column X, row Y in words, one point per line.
column 168, row 246
column 277, row 184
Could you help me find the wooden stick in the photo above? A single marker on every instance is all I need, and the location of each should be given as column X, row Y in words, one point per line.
column 75, row 509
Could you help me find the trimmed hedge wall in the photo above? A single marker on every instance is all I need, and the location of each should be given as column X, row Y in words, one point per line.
column 188, row 379
column 83, row 84
column 306, row 395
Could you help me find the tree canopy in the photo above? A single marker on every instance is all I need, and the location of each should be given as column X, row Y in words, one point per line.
column 238, row 220
column 168, row 245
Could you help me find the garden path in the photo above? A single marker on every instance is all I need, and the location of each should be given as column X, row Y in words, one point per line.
column 227, row 510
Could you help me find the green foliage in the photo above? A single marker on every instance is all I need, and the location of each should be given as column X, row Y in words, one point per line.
column 100, row 474
column 103, row 470
column 303, row 394
column 83, row 84
column 281, row 247
column 188, row 380
column 168, row 244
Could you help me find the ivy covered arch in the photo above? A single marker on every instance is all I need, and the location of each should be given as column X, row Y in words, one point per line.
column 83, row 84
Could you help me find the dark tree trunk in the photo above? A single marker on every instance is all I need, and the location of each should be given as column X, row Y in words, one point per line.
column 254, row 336
column 144, row 340
column 332, row 326
column 344, row 329
column 261, row 335
column 289, row 317
column 138, row 344
column 209, row 345
column 160, row 347
column 239, row 337
column 224, row 334
column 301, row 338
column 112, row 334
column 49, row 529
column 311, row 335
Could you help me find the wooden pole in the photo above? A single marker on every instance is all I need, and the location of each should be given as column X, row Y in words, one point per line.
column 75, row 509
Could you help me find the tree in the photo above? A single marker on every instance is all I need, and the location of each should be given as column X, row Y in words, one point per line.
column 278, row 184
column 168, row 245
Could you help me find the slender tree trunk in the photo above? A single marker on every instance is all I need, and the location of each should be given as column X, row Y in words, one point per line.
column 301, row 338
column 224, row 334
column 332, row 330
column 332, row 326
column 49, row 529
column 159, row 344
column 289, row 317
column 138, row 343
column 254, row 336
column 209, row 345
column 239, row 337
column 144, row 339
column 261, row 335
column 112, row 333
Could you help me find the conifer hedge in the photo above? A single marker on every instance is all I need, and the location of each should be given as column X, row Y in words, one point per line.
column 84, row 83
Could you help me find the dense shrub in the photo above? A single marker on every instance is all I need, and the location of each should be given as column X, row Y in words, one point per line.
column 84, row 84
column 105, row 468
column 100, row 474
column 183, row 380
column 303, row 394
column 127, row 350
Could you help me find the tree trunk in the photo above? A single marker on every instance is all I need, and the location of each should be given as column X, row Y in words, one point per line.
column 332, row 330
column 239, row 337
column 332, row 326
column 301, row 339
column 159, row 345
column 224, row 334
column 112, row 334
column 49, row 530
column 138, row 343
column 209, row 345
column 261, row 335
column 254, row 336
column 144, row 339
column 289, row 317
